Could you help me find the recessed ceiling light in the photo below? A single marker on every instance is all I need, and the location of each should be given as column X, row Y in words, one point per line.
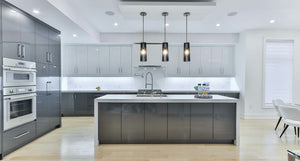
column 232, row 13
column 167, row 24
column 218, row 25
column 116, row 24
column 13, row 11
column 36, row 11
column 272, row 21
column 74, row 35
column 109, row 13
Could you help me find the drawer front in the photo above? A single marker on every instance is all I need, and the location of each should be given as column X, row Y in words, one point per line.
column 17, row 137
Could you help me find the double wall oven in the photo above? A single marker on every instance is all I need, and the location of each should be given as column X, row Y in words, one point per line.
column 19, row 92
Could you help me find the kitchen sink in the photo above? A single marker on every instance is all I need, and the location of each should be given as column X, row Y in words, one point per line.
column 150, row 93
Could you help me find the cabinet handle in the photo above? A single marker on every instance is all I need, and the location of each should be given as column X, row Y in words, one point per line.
column 121, row 70
column 99, row 70
column 23, row 51
column 74, row 96
column 25, row 133
column 19, row 50
column 47, row 60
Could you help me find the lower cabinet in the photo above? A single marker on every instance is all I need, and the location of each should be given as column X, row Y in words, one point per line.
column 109, row 123
column 202, row 121
column 156, row 122
column 179, row 122
column 48, row 112
column 78, row 104
column 167, row 123
column 19, row 136
column 133, row 119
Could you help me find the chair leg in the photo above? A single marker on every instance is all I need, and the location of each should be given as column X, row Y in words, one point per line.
column 298, row 132
column 295, row 129
column 278, row 123
column 286, row 126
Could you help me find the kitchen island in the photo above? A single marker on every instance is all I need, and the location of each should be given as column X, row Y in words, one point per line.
column 121, row 119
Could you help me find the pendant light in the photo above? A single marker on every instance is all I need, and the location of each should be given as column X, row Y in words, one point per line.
column 143, row 52
column 186, row 46
column 165, row 46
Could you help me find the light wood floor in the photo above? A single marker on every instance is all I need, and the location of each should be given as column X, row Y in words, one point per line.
column 74, row 142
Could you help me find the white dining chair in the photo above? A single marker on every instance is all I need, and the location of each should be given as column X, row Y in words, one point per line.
column 291, row 116
column 276, row 103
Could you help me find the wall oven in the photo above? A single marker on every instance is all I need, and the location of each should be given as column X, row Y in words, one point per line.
column 19, row 92
column 18, row 73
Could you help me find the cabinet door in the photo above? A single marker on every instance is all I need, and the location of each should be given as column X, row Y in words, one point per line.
column 216, row 61
column 81, row 62
column 205, row 61
column 54, row 112
column 70, row 60
column 156, row 122
column 228, row 61
column 41, row 47
column 27, row 29
column 11, row 24
column 133, row 116
column 104, row 60
column 28, row 53
column 93, row 60
column 195, row 63
column 81, row 104
column 125, row 60
column 172, row 65
column 67, row 104
column 12, row 50
column 224, row 121
column 42, row 76
column 110, row 122
column 42, row 113
column 114, row 60
column 179, row 122
column 202, row 121
column 54, row 47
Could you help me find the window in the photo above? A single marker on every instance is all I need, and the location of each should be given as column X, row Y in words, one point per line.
column 279, row 70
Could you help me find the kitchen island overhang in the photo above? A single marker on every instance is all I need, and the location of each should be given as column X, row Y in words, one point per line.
column 130, row 119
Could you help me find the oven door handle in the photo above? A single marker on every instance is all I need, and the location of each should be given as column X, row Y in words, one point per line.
column 20, row 97
column 19, row 69
column 25, row 133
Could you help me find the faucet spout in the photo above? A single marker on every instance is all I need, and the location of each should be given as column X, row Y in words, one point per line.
column 150, row 83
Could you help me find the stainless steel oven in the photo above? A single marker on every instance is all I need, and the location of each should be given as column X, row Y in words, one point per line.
column 19, row 106
column 18, row 73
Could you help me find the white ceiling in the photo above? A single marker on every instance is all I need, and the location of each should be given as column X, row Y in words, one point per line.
column 88, row 16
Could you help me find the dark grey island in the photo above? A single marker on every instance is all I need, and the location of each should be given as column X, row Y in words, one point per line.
column 128, row 119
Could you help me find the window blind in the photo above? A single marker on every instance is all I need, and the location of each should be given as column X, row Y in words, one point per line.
column 279, row 70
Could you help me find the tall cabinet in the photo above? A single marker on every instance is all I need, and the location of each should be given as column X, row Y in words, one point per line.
column 26, row 38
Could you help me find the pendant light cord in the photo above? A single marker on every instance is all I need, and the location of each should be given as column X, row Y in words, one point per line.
column 186, row 27
column 165, row 29
column 143, row 28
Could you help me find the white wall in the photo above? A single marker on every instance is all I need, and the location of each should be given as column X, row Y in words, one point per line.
column 252, row 45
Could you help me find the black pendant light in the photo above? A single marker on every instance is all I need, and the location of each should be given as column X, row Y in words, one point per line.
column 186, row 46
column 143, row 52
column 165, row 46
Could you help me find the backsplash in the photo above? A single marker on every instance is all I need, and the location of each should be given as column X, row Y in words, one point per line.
column 137, row 82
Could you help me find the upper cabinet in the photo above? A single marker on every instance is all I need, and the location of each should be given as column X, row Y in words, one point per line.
column 47, row 45
column 97, row 60
column 176, row 66
column 18, row 34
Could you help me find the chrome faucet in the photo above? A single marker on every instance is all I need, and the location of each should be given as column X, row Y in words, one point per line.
column 146, row 81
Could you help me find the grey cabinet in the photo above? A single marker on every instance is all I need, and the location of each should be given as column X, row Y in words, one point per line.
column 67, row 104
column 179, row 122
column 110, row 122
column 47, row 45
column 156, row 122
column 81, row 107
column 48, row 99
column 133, row 129
column 18, row 34
column 201, row 121
column 224, row 121
column 17, row 137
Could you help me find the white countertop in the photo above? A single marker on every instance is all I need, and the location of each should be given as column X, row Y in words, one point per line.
column 132, row 98
column 126, row 91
